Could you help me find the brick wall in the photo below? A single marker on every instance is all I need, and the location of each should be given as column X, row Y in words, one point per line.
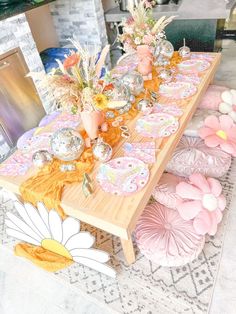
column 83, row 19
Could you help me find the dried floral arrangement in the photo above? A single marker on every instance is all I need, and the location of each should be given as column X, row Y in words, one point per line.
column 141, row 28
column 76, row 83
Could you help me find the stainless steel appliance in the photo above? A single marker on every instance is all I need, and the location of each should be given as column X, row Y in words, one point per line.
column 123, row 4
column 20, row 106
column 160, row 2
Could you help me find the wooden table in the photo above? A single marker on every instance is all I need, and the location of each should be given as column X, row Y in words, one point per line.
column 118, row 214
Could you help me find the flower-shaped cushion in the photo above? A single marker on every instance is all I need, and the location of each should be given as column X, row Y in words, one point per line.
column 202, row 202
column 197, row 121
column 212, row 98
column 220, row 132
column 228, row 104
column 165, row 238
column 192, row 155
column 165, row 190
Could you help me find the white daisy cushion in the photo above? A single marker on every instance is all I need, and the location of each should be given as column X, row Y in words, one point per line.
column 197, row 121
column 212, row 98
column 192, row 155
column 228, row 104
column 165, row 238
column 44, row 228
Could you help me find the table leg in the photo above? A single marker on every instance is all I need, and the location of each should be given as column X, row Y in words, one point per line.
column 128, row 250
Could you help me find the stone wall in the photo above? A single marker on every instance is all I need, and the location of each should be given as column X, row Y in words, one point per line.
column 15, row 32
column 81, row 19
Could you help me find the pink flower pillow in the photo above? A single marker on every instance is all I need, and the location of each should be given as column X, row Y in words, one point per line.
column 203, row 202
column 220, row 132
column 193, row 156
column 165, row 190
column 165, row 238
column 212, row 98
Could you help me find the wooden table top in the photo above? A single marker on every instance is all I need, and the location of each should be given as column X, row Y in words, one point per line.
column 118, row 214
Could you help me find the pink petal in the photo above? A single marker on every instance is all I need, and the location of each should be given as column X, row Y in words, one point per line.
column 212, row 230
column 189, row 210
column 200, row 181
column 204, row 132
column 217, row 214
column 232, row 133
column 215, row 217
column 202, row 223
column 215, row 186
column 212, row 122
column 229, row 148
column 213, row 141
column 226, row 122
column 186, row 190
column 222, row 202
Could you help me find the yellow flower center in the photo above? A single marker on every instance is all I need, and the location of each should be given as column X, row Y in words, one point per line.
column 222, row 134
column 101, row 101
column 56, row 247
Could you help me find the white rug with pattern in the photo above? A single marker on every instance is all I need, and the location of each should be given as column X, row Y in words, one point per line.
column 145, row 287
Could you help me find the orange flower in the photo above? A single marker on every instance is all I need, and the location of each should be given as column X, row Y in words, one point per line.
column 71, row 61
column 108, row 87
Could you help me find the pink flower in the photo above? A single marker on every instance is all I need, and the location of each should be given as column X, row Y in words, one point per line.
column 148, row 39
column 129, row 21
column 220, row 132
column 148, row 4
column 203, row 202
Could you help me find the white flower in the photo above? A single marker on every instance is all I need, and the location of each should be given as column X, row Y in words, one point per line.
column 228, row 106
column 45, row 228
column 128, row 30
column 137, row 41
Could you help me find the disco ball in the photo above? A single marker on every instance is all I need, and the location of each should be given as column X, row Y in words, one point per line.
column 67, row 144
column 164, row 48
column 41, row 158
column 134, row 81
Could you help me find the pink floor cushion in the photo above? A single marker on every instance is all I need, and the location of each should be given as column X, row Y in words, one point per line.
column 197, row 121
column 202, row 202
column 165, row 190
column 165, row 238
column 193, row 156
column 212, row 97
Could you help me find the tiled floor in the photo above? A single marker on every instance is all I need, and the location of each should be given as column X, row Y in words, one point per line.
column 27, row 290
column 226, row 74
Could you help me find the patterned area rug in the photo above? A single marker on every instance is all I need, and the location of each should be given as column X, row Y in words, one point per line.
column 145, row 287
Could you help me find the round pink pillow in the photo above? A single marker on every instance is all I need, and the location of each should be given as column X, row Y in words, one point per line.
column 165, row 190
column 165, row 238
column 192, row 155
column 212, row 97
